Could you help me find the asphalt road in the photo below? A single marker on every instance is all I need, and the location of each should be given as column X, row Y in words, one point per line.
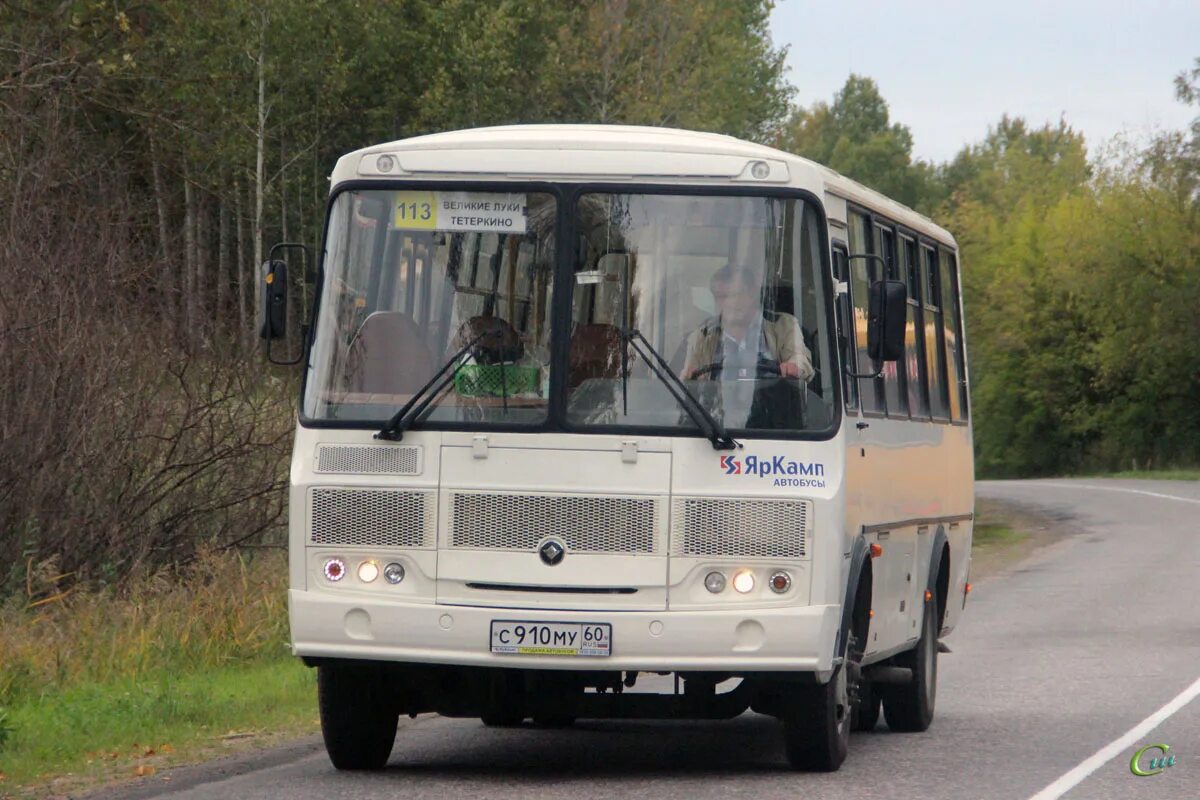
column 1055, row 660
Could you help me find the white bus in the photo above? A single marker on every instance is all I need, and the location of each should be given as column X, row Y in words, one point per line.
column 584, row 404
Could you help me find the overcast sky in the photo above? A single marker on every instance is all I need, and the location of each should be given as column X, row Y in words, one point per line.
column 950, row 69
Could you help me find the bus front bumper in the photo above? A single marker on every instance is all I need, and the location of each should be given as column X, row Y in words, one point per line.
column 789, row 639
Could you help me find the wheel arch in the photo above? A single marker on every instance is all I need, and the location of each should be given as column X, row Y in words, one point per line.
column 938, row 579
column 856, row 603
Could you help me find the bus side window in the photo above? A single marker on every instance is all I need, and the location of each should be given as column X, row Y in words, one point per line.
column 845, row 334
column 862, row 273
column 894, row 378
column 952, row 327
column 935, row 354
column 914, row 341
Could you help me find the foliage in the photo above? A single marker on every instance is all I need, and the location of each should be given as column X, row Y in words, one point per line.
column 151, row 153
column 1082, row 301
column 855, row 136
column 1081, row 293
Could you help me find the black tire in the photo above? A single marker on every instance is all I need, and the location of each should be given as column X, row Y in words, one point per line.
column 816, row 725
column 909, row 708
column 865, row 713
column 358, row 716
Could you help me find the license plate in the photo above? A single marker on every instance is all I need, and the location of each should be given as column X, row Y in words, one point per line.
column 551, row 638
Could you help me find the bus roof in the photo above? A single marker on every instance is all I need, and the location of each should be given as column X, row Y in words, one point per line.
column 607, row 139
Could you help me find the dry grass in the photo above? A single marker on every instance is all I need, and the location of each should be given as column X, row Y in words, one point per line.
column 220, row 609
column 98, row 684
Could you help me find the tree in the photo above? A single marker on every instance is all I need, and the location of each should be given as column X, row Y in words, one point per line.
column 855, row 136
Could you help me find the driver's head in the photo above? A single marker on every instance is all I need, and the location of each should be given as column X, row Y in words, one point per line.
column 737, row 290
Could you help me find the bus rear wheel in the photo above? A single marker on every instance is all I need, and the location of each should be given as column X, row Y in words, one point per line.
column 359, row 716
column 865, row 713
column 909, row 707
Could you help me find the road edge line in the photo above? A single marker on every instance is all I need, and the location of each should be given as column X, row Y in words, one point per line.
column 1105, row 754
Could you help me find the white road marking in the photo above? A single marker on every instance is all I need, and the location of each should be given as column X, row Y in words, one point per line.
column 1127, row 491
column 1117, row 746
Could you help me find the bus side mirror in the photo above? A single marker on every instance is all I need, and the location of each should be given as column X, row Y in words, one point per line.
column 275, row 299
column 273, row 313
column 887, row 316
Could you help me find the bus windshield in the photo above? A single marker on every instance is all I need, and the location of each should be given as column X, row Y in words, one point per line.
column 410, row 278
column 729, row 290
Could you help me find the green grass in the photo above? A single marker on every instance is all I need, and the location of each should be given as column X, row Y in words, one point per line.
column 996, row 534
column 96, row 732
column 1157, row 475
column 97, row 682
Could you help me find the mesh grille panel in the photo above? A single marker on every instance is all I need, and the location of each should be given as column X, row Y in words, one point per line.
column 368, row 459
column 746, row 528
column 373, row 517
column 520, row 521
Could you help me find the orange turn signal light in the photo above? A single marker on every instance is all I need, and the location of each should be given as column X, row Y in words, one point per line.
column 928, row 595
column 876, row 551
column 967, row 589
column 871, row 613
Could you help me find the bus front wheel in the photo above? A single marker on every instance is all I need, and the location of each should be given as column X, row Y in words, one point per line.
column 816, row 724
column 358, row 716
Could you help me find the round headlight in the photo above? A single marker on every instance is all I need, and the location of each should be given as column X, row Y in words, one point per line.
column 714, row 582
column 743, row 582
column 335, row 569
column 385, row 163
column 368, row 571
column 393, row 573
column 780, row 582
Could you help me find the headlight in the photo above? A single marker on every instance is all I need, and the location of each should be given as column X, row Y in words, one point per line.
column 714, row 582
column 743, row 582
column 368, row 571
column 393, row 573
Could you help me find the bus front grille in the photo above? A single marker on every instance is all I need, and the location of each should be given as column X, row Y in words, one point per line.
column 584, row 523
column 369, row 459
column 742, row 528
column 373, row 517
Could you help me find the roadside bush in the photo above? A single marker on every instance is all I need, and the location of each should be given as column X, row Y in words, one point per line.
column 127, row 439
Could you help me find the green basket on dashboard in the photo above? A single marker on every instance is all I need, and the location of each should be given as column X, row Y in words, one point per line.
column 495, row 380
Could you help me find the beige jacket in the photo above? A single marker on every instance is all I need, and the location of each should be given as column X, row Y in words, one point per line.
column 782, row 339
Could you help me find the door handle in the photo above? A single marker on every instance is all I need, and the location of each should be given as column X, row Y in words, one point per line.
column 862, row 425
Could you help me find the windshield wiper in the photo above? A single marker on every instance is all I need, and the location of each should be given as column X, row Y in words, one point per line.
column 709, row 425
column 394, row 430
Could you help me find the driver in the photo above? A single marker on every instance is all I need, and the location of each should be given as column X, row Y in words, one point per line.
column 743, row 338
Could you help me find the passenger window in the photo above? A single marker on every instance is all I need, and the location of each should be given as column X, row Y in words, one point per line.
column 935, row 361
column 914, row 342
column 841, row 272
column 956, row 373
column 862, row 273
column 895, row 389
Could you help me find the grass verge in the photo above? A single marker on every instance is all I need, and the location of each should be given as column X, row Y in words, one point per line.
column 97, row 733
column 1004, row 533
column 98, row 683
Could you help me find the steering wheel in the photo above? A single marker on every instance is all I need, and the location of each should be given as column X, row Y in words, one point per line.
column 764, row 369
